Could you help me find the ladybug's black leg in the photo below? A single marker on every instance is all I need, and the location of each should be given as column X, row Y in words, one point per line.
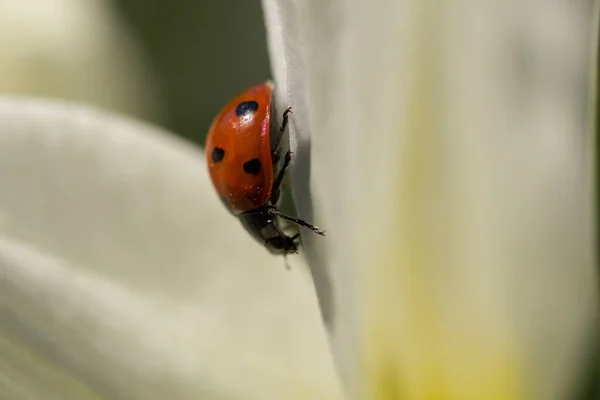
column 285, row 120
column 277, row 184
column 277, row 141
column 275, row 212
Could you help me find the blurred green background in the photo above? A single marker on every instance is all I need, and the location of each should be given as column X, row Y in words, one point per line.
column 172, row 63
column 202, row 52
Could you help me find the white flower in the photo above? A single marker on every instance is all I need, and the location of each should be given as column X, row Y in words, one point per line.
column 442, row 147
column 447, row 149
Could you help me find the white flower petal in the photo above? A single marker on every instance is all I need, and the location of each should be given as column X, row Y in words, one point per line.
column 123, row 276
column 444, row 148
column 287, row 48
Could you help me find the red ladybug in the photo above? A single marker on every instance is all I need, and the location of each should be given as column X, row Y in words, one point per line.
column 242, row 152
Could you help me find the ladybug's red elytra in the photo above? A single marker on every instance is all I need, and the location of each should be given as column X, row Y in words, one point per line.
column 242, row 152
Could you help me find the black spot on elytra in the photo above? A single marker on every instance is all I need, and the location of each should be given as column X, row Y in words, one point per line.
column 217, row 154
column 252, row 167
column 246, row 107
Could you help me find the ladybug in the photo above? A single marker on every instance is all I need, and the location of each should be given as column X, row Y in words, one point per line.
column 242, row 152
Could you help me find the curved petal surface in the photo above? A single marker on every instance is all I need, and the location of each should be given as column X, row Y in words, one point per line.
column 123, row 276
column 445, row 147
